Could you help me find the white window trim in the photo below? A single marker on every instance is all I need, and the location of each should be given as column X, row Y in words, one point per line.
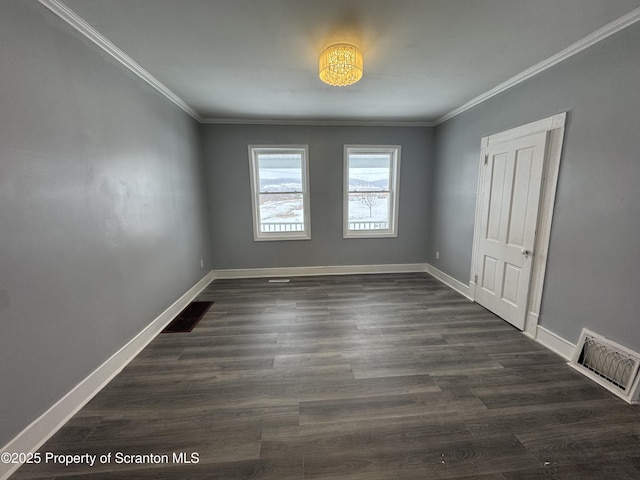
column 254, row 151
column 394, row 191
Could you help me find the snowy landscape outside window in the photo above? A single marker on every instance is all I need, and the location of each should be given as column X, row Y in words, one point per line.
column 371, row 181
column 280, row 192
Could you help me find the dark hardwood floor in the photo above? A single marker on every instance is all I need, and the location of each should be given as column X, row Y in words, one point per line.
column 350, row 377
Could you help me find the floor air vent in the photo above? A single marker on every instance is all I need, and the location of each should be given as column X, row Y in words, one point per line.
column 609, row 364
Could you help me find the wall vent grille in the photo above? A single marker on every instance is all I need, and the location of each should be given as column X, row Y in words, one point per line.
column 609, row 364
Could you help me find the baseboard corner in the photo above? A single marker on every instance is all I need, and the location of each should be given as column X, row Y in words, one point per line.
column 457, row 285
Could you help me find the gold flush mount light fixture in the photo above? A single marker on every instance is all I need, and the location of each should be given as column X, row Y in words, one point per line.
column 341, row 64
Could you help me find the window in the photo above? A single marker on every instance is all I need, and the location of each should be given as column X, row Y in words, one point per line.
column 280, row 192
column 371, row 182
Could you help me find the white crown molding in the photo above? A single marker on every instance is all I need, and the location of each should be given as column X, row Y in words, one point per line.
column 77, row 22
column 43, row 427
column 340, row 123
column 586, row 42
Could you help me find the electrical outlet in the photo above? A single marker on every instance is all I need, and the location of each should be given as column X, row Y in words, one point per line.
column 437, row 255
column 201, row 263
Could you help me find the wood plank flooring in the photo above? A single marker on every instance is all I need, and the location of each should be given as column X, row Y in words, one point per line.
column 350, row 377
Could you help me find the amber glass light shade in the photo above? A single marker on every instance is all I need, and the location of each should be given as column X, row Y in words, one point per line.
column 341, row 64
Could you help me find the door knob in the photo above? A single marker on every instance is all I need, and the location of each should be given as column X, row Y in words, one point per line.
column 526, row 253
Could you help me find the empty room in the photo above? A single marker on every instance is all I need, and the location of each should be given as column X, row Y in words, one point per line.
column 349, row 239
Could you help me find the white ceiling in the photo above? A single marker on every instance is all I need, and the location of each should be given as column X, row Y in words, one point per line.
column 258, row 59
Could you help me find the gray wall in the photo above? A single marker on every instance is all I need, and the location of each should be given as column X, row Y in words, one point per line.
column 230, row 196
column 102, row 209
column 594, row 260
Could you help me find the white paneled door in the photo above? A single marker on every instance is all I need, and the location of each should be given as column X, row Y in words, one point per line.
column 510, row 195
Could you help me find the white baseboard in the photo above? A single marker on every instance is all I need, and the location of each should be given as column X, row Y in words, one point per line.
column 551, row 340
column 41, row 429
column 555, row 342
column 448, row 280
column 326, row 270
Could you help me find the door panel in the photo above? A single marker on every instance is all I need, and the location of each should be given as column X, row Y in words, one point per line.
column 495, row 197
column 489, row 274
column 523, row 167
column 510, row 194
column 511, row 284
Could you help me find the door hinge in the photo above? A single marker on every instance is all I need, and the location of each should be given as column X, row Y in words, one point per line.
column 486, row 158
column 475, row 279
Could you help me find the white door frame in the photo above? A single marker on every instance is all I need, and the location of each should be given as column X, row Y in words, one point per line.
column 555, row 127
